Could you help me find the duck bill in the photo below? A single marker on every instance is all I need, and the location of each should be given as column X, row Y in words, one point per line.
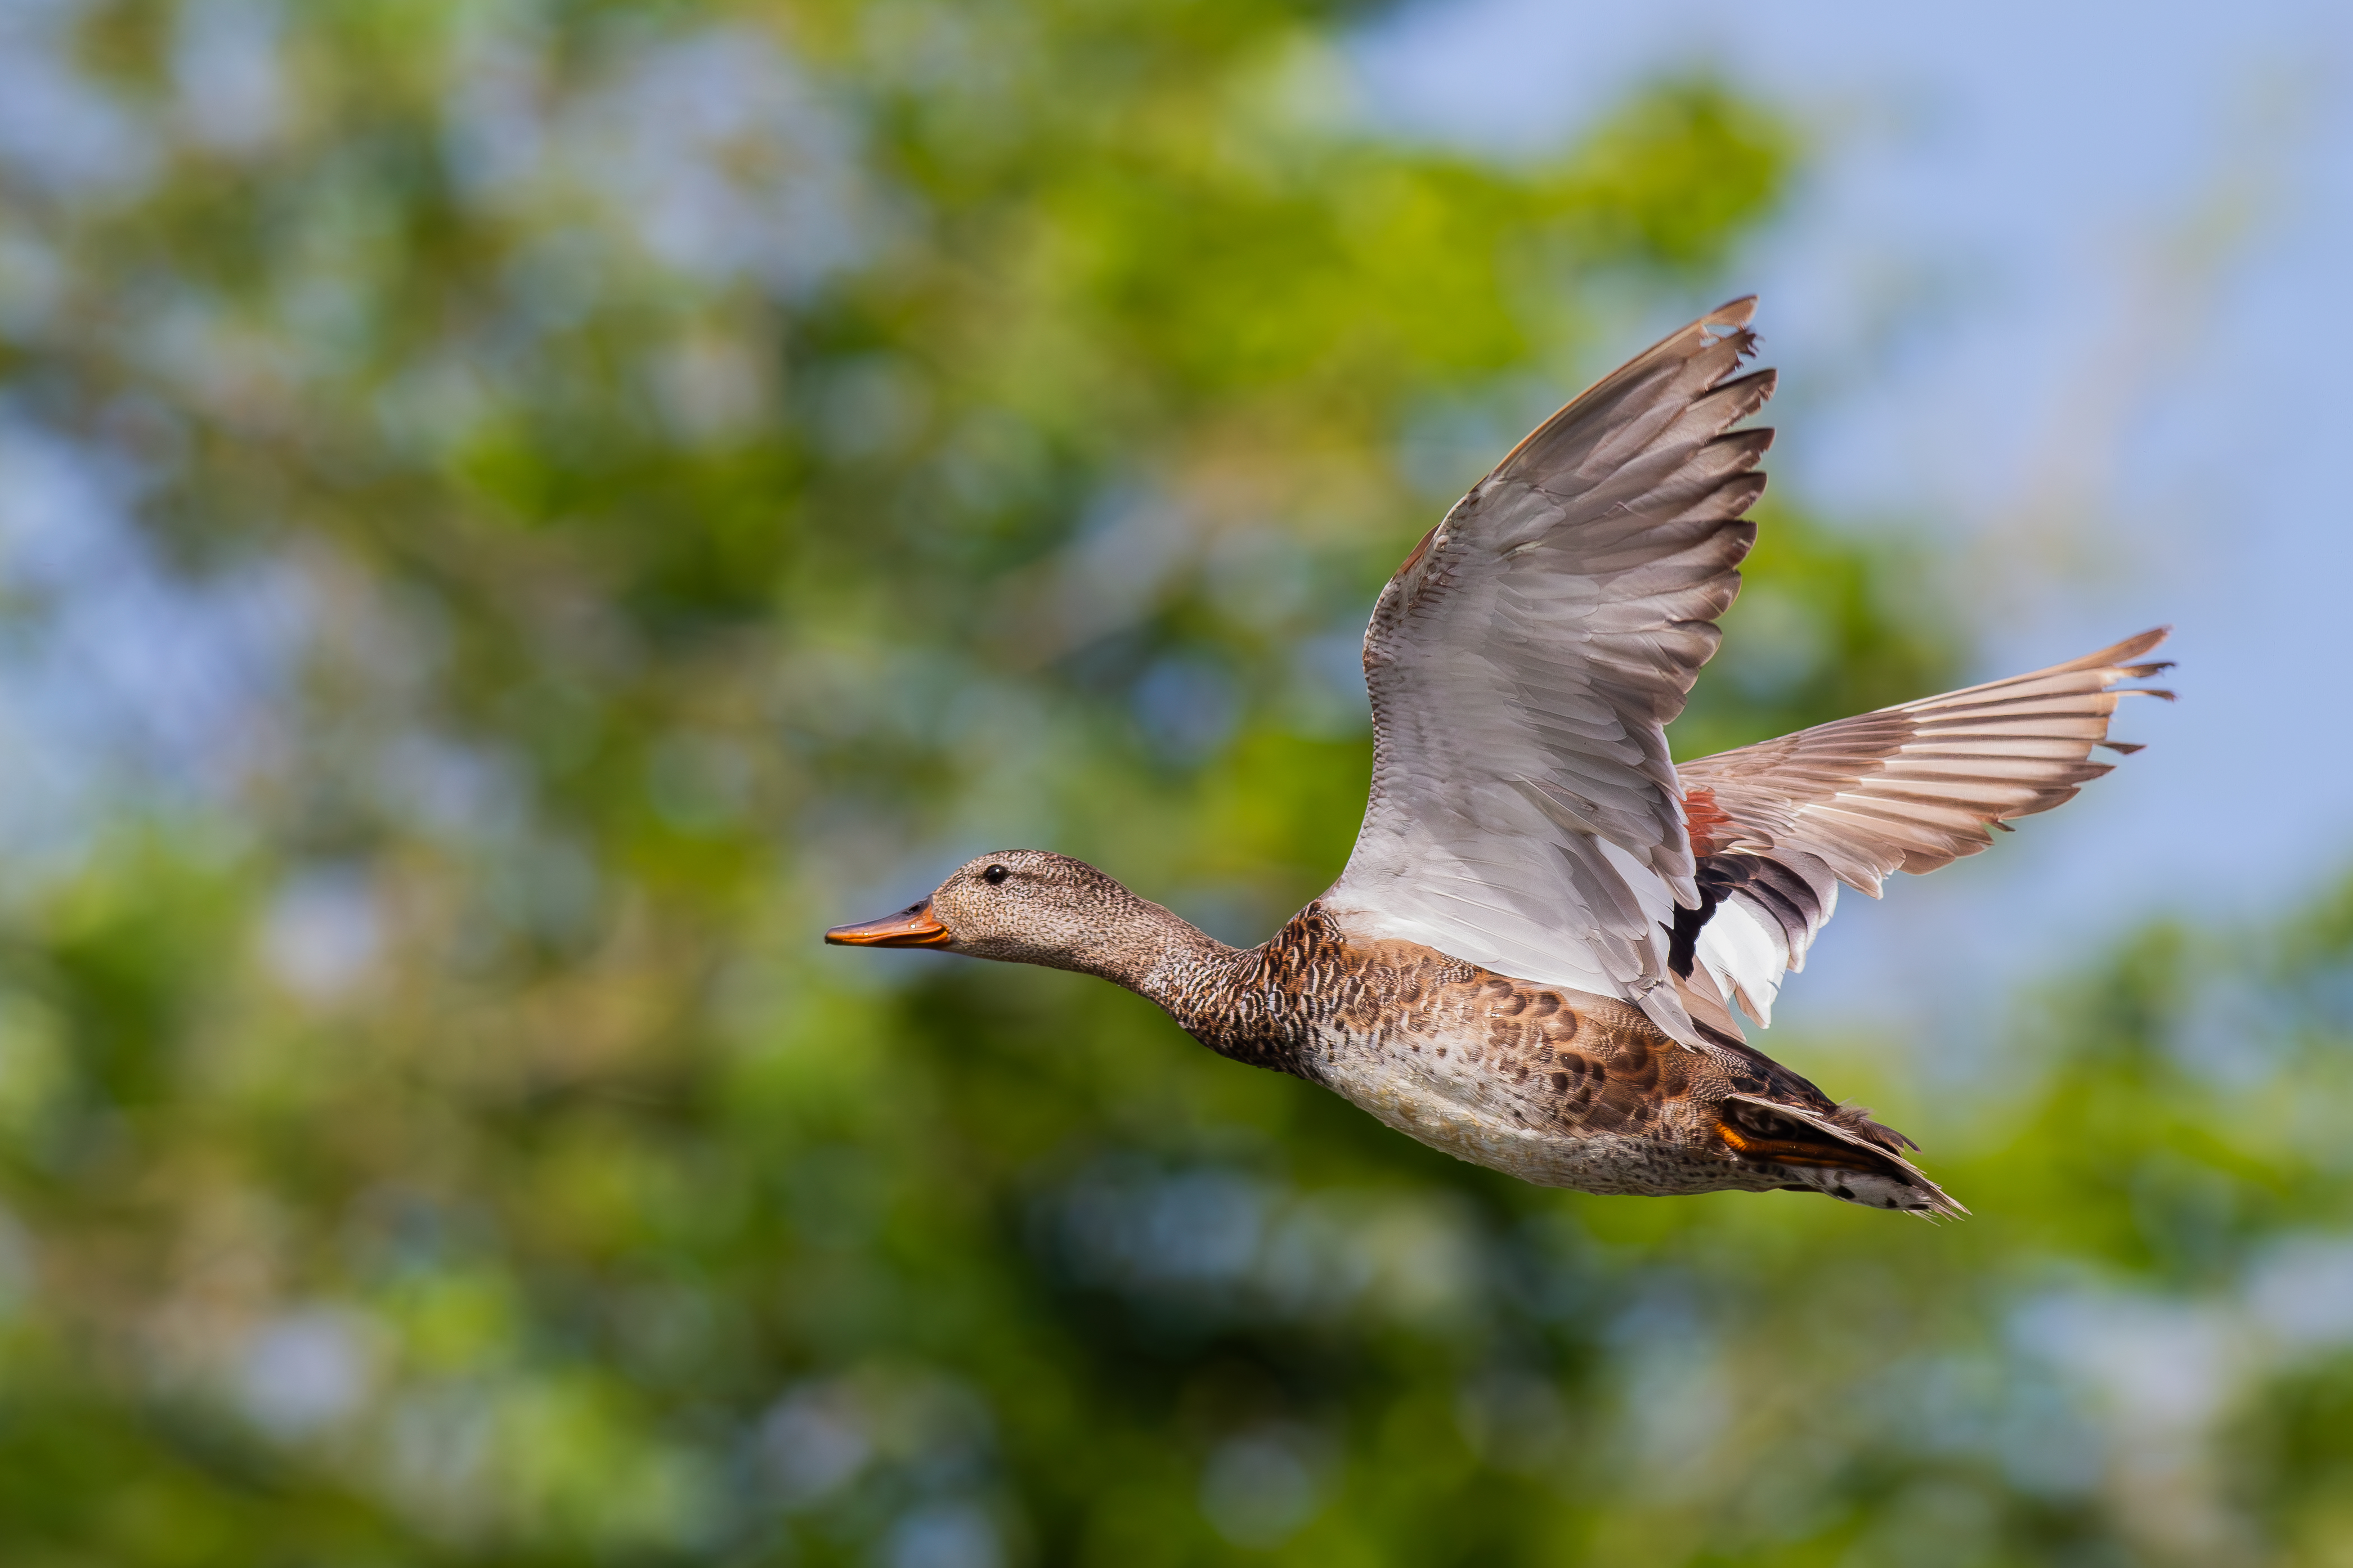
column 914, row 926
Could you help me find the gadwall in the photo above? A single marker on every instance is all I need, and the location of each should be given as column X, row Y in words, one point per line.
column 1533, row 956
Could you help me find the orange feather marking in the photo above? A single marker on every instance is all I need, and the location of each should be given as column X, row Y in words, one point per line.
column 1711, row 828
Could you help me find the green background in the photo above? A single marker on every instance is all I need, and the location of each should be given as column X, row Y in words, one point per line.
column 616, row 489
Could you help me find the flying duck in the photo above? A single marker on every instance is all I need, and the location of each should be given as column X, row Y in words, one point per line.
column 1537, row 953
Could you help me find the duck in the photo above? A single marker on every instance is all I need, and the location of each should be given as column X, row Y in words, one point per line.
column 1541, row 951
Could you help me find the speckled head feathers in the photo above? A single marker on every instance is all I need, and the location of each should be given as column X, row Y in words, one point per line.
column 1032, row 906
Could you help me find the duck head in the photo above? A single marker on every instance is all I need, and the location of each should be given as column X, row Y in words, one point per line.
column 1031, row 906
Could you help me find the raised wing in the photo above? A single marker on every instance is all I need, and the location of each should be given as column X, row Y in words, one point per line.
column 1776, row 826
column 1523, row 662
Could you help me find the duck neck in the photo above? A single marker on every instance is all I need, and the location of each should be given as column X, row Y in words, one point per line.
column 1217, row 993
column 1220, row 995
column 1158, row 953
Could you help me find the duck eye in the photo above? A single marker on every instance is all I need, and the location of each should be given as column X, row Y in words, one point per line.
column 994, row 875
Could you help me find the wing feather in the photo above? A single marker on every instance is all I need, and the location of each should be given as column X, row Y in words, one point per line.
column 1525, row 812
column 1907, row 788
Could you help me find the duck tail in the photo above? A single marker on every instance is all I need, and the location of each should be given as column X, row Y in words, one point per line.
column 1841, row 1154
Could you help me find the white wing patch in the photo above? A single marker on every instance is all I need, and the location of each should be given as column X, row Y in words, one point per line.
column 1747, row 956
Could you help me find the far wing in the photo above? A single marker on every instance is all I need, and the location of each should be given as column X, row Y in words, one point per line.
column 1776, row 826
column 1523, row 662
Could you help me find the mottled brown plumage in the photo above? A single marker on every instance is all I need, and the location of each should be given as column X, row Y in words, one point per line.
column 1561, row 1088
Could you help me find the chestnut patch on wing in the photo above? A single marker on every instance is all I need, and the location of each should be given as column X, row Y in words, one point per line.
column 1711, row 828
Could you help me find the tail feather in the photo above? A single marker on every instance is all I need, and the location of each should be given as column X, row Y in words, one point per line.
column 1843, row 1154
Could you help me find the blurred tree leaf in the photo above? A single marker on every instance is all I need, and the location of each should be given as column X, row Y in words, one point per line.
column 549, row 506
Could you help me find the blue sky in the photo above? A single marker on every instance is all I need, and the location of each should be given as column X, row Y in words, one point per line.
column 2056, row 294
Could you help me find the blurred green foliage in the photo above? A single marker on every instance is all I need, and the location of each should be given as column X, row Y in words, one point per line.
column 550, row 505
